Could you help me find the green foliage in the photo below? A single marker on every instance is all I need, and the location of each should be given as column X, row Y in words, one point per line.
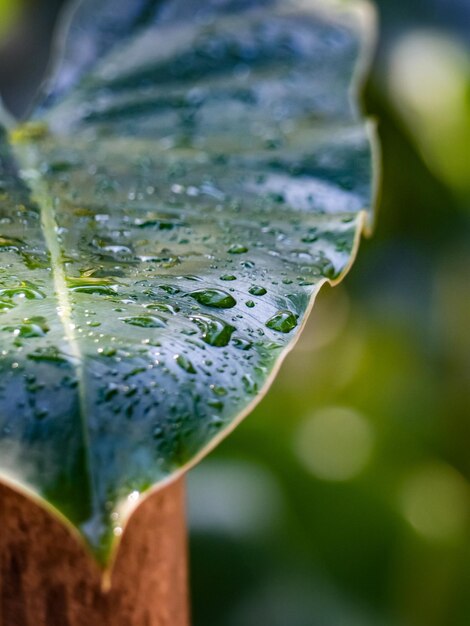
column 167, row 219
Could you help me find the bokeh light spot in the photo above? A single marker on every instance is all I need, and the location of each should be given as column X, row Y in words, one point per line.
column 429, row 77
column 9, row 13
column 435, row 501
column 335, row 443
column 233, row 497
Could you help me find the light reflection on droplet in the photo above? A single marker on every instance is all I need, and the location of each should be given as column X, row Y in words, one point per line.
column 133, row 497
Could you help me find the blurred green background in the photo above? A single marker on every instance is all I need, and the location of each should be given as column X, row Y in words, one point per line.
column 344, row 499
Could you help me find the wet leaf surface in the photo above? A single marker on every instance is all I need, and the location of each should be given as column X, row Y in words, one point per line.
column 166, row 220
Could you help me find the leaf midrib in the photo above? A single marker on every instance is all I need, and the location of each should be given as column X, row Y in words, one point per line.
column 42, row 198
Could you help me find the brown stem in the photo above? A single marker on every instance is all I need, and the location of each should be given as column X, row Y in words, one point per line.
column 48, row 579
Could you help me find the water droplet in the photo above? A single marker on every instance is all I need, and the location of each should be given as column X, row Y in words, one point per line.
column 145, row 321
column 185, row 364
column 116, row 250
column 34, row 261
column 165, row 308
column 257, row 291
column 249, row 384
column 343, row 245
column 59, row 167
column 215, row 298
column 218, row 405
column 218, row 391
column 33, row 327
column 51, row 354
column 171, row 289
column 108, row 352
column 102, row 290
column 5, row 305
column 311, row 236
column 215, row 332
column 158, row 432
column 23, row 291
column 10, row 244
column 242, row 344
column 250, row 304
column 166, row 262
column 237, row 248
column 159, row 223
column 228, row 277
column 88, row 284
column 282, row 321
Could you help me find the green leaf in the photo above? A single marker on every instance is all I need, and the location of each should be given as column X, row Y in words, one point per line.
column 166, row 220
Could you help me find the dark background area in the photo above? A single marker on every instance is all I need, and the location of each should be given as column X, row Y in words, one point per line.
column 292, row 522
